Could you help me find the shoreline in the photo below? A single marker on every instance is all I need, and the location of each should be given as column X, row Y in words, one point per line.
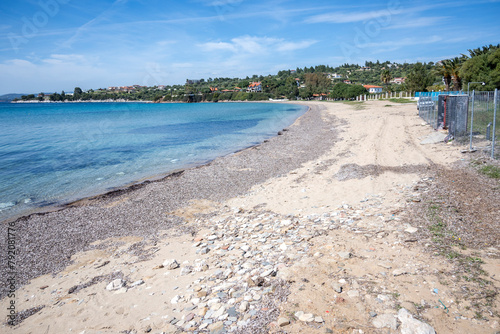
column 261, row 242
column 123, row 188
column 209, row 177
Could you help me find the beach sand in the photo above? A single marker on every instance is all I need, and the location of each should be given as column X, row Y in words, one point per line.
column 308, row 228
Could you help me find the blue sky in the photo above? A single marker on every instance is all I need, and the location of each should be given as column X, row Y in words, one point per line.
column 55, row 45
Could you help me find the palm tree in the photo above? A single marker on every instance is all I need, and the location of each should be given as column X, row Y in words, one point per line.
column 443, row 69
column 480, row 51
column 385, row 76
column 454, row 66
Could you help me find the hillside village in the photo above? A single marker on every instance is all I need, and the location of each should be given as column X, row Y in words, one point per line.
column 323, row 81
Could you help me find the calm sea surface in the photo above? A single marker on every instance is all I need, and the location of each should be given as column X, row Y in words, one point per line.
column 55, row 153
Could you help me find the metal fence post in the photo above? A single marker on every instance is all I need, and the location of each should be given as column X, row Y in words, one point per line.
column 494, row 123
column 472, row 120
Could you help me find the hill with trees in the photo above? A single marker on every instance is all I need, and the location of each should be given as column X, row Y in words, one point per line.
column 341, row 82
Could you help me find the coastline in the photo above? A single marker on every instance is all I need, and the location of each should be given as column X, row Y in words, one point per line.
column 316, row 230
column 61, row 204
column 186, row 182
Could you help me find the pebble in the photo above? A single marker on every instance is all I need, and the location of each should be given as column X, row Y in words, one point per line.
column 336, row 287
column 282, row 322
column 306, row 317
column 137, row 283
column 243, row 306
column 171, row 264
column 115, row 285
column 344, row 255
column 399, row 272
column 409, row 325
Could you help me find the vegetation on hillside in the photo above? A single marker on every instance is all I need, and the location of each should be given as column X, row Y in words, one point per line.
column 341, row 82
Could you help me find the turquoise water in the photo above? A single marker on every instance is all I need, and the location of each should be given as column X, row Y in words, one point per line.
column 54, row 153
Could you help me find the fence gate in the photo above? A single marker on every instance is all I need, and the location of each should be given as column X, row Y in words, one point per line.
column 426, row 110
column 484, row 122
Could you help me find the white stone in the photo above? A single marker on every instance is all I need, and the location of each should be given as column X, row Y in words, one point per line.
column 385, row 321
column 186, row 270
column 115, row 285
column 307, row 317
column 200, row 266
column 243, row 306
column 411, row 230
column 409, row 325
column 398, row 272
column 319, row 319
column 171, row 264
column 282, row 322
column 266, row 273
column 344, row 255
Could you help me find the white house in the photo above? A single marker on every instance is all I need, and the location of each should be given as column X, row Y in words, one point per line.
column 255, row 87
column 372, row 89
column 333, row 76
column 398, row 81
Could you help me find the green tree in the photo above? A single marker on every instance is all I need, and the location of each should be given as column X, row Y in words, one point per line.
column 454, row 65
column 355, row 90
column 443, row 70
column 482, row 68
column 419, row 78
column 77, row 93
column 339, row 91
column 385, row 77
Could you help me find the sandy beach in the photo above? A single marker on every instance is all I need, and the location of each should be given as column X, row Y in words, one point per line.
column 321, row 229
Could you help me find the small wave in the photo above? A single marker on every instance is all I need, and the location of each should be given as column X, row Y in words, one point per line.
column 27, row 200
column 120, row 173
column 174, row 160
column 99, row 179
column 5, row 206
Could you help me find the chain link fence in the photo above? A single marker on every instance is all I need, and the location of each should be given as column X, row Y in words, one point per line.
column 483, row 119
column 427, row 110
column 484, row 122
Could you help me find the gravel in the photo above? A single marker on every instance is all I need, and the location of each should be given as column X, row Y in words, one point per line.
column 45, row 242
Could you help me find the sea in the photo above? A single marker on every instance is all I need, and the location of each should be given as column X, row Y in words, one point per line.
column 56, row 153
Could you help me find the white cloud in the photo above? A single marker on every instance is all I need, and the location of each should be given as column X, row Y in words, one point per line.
column 292, row 46
column 256, row 45
column 218, row 46
column 419, row 22
column 55, row 73
column 343, row 17
column 399, row 43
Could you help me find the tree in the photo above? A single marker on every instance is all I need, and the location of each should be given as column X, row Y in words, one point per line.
column 385, row 77
column 77, row 93
column 481, row 51
column 355, row 90
column 317, row 81
column 339, row 91
column 442, row 69
column 482, row 68
column 419, row 78
column 454, row 66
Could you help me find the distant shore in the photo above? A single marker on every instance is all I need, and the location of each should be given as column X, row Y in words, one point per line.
column 133, row 101
column 81, row 101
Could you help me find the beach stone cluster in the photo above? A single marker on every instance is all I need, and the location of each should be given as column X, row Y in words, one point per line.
column 247, row 256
